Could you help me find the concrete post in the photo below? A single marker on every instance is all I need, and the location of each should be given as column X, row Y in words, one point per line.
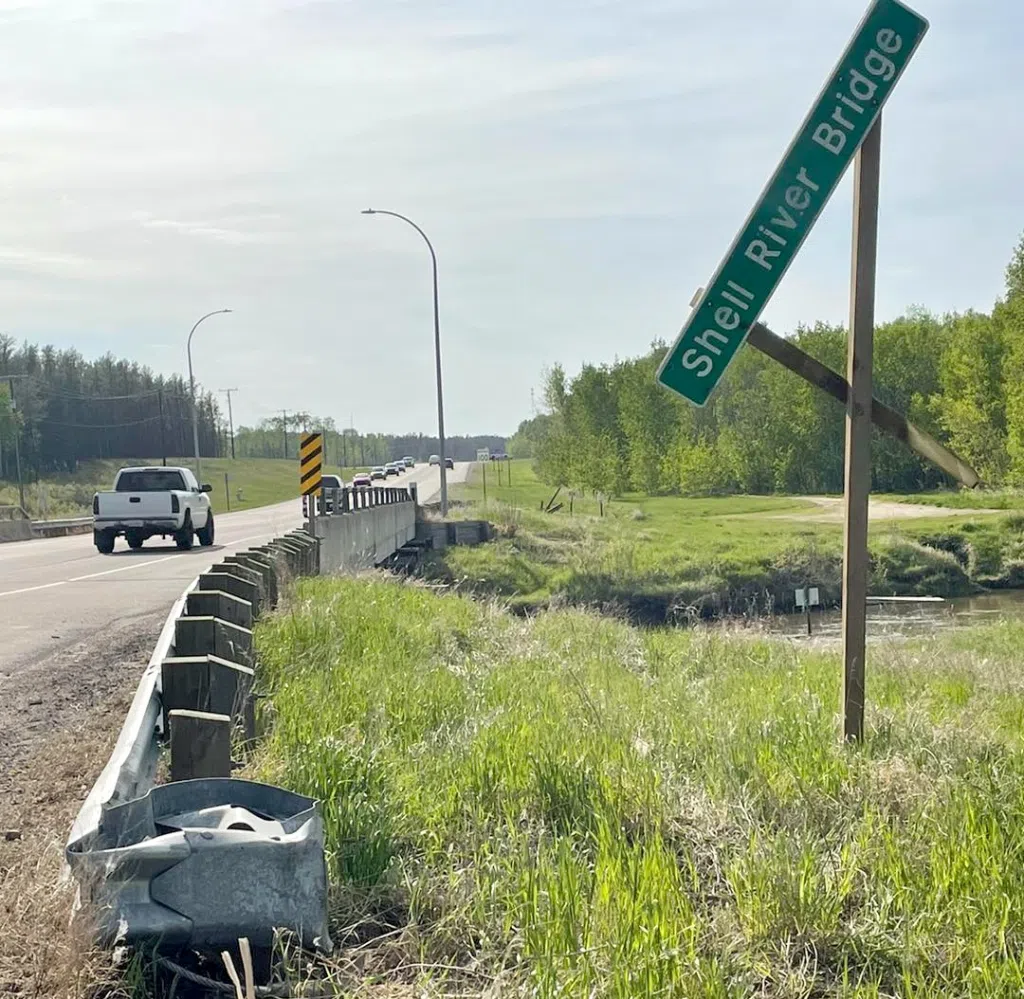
column 221, row 579
column 254, row 573
column 200, row 745
column 292, row 554
column 203, row 636
column 305, row 546
column 231, row 563
column 310, row 548
column 217, row 603
column 275, row 555
column 209, row 683
column 263, row 564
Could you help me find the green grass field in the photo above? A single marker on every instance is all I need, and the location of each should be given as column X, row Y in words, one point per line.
column 671, row 558
column 262, row 481
column 568, row 806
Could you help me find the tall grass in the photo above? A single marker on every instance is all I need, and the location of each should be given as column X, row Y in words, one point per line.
column 567, row 806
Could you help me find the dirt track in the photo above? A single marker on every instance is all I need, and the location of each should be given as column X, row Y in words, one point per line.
column 832, row 511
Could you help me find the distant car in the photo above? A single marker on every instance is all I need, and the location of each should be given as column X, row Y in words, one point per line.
column 435, row 459
column 410, row 461
column 378, row 472
column 361, row 481
column 448, row 463
column 391, row 468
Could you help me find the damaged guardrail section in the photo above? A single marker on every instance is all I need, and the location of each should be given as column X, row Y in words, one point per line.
column 203, row 859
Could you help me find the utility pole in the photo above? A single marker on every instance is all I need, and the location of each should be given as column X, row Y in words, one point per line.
column 231, row 420
column 163, row 440
column 284, row 430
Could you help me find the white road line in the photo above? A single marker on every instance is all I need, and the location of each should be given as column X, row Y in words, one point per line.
column 120, row 568
column 32, row 589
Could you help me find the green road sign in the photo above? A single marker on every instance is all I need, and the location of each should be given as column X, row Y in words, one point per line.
column 810, row 171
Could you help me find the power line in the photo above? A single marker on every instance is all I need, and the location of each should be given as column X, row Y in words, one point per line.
column 98, row 426
column 75, row 397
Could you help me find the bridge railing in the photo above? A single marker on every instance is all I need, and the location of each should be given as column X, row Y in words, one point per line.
column 351, row 498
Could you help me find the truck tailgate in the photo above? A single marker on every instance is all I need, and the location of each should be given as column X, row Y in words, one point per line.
column 124, row 507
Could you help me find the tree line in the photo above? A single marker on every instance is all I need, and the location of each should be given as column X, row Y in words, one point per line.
column 347, row 447
column 61, row 409
column 960, row 376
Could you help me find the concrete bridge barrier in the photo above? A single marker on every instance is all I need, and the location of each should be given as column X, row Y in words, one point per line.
column 14, row 524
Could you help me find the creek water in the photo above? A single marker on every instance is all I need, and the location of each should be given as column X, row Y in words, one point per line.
column 888, row 621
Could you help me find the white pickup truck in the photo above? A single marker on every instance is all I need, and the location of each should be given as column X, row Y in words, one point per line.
column 150, row 501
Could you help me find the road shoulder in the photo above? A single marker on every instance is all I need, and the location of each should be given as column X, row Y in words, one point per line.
column 59, row 718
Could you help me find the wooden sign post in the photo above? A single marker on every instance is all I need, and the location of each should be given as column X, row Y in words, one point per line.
column 857, row 485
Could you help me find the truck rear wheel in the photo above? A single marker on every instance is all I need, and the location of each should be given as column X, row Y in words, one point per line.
column 183, row 538
column 206, row 534
column 135, row 539
column 104, row 541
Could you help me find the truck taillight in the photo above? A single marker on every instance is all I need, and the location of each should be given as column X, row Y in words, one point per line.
column 96, row 504
column 175, row 505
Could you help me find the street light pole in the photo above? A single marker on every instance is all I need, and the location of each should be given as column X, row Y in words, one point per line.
column 437, row 353
column 192, row 389
column 231, row 420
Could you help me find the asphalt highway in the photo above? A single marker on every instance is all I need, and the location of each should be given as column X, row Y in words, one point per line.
column 58, row 590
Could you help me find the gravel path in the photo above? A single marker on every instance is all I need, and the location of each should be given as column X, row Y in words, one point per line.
column 832, row 511
column 49, row 699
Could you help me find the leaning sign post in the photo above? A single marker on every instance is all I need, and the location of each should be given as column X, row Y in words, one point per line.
column 844, row 122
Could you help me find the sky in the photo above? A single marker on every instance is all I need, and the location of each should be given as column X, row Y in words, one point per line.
column 580, row 166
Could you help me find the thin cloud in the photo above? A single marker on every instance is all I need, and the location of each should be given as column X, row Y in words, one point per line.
column 580, row 168
column 207, row 230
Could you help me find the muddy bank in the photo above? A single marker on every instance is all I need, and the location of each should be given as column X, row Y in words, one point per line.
column 971, row 559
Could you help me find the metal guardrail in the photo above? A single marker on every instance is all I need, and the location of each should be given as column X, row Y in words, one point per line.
column 201, row 862
column 63, row 522
column 43, row 528
column 132, row 764
column 66, row 525
column 134, row 848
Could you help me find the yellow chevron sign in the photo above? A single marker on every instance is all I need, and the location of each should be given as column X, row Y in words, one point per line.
column 311, row 463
